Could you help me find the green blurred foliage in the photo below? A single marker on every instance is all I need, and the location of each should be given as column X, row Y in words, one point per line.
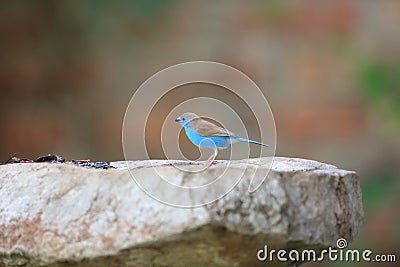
column 397, row 234
column 142, row 10
column 380, row 83
column 376, row 192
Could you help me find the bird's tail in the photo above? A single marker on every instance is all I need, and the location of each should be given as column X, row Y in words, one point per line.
column 249, row 141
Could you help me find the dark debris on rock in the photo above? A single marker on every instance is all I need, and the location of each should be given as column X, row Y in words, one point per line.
column 58, row 159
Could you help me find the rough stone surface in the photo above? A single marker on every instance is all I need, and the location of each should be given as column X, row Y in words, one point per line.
column 61, row 215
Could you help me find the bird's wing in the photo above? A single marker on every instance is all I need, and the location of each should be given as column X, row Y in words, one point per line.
column 206, row 128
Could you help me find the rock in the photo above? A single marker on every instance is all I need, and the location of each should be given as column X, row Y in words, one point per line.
column 61, row 215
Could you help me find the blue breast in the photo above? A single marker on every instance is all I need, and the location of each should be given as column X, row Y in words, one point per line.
column 209, row 142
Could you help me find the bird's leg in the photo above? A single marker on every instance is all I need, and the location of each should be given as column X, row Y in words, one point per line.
column 210, row 161
column 212, row 157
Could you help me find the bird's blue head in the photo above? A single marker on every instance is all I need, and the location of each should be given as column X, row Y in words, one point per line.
column 185, row 119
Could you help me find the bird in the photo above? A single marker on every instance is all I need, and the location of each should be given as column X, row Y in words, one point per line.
column 207, row 135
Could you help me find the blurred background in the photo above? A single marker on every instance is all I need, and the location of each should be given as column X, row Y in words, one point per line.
column 329, row 69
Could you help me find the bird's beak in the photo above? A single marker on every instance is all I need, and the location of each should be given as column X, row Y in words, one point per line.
column 178, row 119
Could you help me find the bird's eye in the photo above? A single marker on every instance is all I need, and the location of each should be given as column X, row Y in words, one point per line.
column 183, row 119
